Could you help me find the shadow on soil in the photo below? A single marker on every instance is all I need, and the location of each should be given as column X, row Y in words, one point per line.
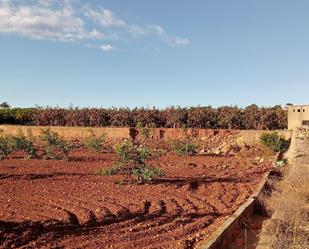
column 39, row 176
column 194, row 182
column 18, row 234
column 39, row 233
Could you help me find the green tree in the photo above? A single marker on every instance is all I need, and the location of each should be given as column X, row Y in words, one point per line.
column 5, row 105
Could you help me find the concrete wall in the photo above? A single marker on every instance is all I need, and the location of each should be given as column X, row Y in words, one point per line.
column 249, row 137
column 222, row 237
column 297, row 115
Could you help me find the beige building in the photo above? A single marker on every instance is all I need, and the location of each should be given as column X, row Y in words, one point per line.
column 298, row 116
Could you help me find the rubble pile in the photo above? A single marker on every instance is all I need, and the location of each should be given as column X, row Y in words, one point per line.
column 302, row 133
column 223, row 144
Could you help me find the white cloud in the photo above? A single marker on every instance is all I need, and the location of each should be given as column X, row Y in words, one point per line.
column 46, row 3
column 179, row 42
column 70, row 20
column 106, row 47
column 136, row 30
column 158, row 30
column 95, row 34
column 44, row 23
column 105, row 18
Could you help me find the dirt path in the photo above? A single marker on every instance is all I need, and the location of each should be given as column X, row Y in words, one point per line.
column 289, row 226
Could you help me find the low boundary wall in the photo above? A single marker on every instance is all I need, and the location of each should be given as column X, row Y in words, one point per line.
column 250, row 137
column 222, row 237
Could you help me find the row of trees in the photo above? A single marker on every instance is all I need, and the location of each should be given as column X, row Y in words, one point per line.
column 226, row 117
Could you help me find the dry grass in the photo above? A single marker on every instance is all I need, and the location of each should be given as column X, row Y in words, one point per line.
column 289, row 226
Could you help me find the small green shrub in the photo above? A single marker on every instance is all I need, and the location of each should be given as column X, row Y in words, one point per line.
column 55, row 147
column 132, row 153
column 132, row 161
column 21, row 142
column 184, row 147
column 95, row 143
column 274, row 142
column 143, row 131
column 146, row 173
column 5, row 148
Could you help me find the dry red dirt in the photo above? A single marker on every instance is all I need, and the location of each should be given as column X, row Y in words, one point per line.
column 57, row 204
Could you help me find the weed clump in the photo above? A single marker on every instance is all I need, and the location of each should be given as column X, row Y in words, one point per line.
column 5, row 148
column 275, row 142
column 146, row 173
column 55, row 146
column 143, row 131
column 132, row 153
column 184, row 147
column 21, row 142
column 94, row 143
column 132, row 161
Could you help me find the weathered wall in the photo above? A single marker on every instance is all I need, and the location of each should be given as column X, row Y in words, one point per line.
column 252, row 136
column 296, row 116
column 68, row 132
column 247, row 136
column 222, row 237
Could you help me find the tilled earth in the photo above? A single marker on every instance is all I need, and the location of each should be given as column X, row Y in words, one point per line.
column 58, row 204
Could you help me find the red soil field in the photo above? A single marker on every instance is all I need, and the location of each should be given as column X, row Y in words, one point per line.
column 59, row 204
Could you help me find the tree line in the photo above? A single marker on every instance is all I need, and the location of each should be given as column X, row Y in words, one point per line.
column 225, row 117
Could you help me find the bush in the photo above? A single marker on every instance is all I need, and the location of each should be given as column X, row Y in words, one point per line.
column 143, row 131
column 184, row 147
column 146, row 173
column 132, row 161
column 132, row 153
column 22, row 116
column 5, row 148
column 55, row 147
column 5, row 105
column 274, row 142
column 20, row 142
column 94, row 143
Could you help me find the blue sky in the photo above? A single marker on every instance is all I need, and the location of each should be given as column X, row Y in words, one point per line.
column 154, row 53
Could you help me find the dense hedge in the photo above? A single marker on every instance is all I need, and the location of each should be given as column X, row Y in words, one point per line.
column 22, row 116
column 226, row 117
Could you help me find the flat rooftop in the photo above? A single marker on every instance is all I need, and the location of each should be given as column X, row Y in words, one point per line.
column 294, row 106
